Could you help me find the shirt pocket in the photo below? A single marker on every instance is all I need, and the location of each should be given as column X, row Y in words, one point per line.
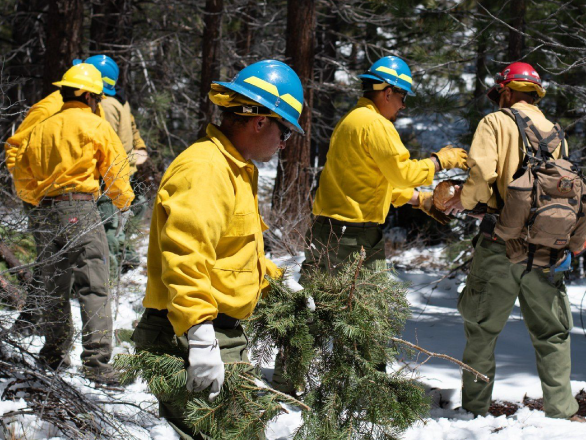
column 237, row 250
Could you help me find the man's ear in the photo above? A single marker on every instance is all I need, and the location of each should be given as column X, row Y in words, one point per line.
column 388, row 93
column 259, row 122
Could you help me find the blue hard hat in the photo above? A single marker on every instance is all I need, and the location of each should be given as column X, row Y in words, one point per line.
column 274, row 85
column 108, row 68
column 392, row 70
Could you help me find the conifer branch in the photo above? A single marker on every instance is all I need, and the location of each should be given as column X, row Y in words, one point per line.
column 358, row 267
column 443, row 356
column 283, row 395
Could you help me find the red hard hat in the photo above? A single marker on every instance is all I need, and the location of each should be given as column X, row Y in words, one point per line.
column 519, row 72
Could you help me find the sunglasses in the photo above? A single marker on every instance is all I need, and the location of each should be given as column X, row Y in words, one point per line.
column 401, row 92
column 285, row 131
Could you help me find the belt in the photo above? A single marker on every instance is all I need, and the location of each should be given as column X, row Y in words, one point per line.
column 68, row 197
column 222, row 321
column 328, row 220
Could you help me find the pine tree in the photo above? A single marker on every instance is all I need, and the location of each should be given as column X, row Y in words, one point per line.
column 242, row 410
column 340, row 352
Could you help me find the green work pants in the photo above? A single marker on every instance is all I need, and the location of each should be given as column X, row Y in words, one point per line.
column 329, row 246
column 74, row 255
column 119, row 245
column 492, row 288
column 154, row 331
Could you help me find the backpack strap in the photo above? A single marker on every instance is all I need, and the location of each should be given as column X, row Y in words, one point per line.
column 530, row 258
column 521, row 125
column 553, row 259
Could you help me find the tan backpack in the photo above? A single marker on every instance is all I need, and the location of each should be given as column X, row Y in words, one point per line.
column 544, row 213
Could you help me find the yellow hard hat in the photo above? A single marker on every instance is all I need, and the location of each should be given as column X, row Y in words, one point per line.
column 83, row 77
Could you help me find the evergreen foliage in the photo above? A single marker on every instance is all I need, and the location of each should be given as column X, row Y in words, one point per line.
column 240, row 412
column 339, row 352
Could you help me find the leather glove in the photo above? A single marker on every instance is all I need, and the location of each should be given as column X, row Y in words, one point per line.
column 294, row 286
column 123, row 217
column 205, row 363
column 427, row 206
column 450, row 157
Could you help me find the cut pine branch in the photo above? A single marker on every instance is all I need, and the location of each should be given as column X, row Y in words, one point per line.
column 443, row 356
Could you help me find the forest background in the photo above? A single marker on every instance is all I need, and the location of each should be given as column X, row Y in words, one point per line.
column 170, row 51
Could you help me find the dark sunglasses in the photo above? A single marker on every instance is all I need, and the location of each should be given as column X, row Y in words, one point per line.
column 285, row 131
column 401, row 92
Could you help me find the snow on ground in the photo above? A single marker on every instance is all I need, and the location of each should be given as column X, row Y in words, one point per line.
column 435, row 325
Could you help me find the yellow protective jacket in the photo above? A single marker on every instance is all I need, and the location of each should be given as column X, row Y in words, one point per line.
column 68, row 152
column 206, row 249
column 46, row 107
column 367, row 169
column 496, row 154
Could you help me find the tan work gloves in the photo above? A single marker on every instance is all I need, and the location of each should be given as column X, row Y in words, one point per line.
column 427, row 206
column 450, row 157
column 205, row 363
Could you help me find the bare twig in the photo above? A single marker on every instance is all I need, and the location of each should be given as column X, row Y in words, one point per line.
column 443, row 356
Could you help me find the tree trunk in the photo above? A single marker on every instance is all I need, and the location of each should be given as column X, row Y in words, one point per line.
column 111, row 33
column 210, row 66
column 64, row 34
column 516, row 40
column 291, row 195
column 324, row 120
column 244, row 35
column 28, row 38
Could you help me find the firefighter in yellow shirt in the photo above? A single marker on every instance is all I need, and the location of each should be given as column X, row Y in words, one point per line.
column 367, row 169
column 57, row 169
column 27, row 321
column 206, row 262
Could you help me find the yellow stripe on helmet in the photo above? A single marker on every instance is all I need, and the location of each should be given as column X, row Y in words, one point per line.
column 108, row 81
column 293, row 102
column 394, row 73
column 272, row 89
column 262, row 84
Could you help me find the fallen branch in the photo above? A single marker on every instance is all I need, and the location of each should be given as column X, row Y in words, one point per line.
column 444, row 356
column 8, row 256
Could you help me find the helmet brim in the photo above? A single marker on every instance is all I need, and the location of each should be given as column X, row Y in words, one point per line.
column 262, row 101
column 379, row 79
column 77, row 86
column 109, row 92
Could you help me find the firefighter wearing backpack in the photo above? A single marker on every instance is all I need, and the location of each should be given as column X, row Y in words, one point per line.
column 496, row 159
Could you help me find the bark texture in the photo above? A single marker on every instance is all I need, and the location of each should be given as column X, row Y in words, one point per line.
column 64, row 36
column 210, row 68
column 291, row 196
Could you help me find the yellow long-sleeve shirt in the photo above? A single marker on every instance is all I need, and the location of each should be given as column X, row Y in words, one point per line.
column 206, row 250
column 68, row 152
column 367, row 169
column 496, row 154
column 46, row 107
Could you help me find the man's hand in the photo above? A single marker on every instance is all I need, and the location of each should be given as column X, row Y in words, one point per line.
column 205, row 363
column 450, row 157
column 425, row 203
column 454, row 205
column 141, row 156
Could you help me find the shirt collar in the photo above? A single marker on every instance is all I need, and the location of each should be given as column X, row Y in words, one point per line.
column 76, row 104
column 226, row 147
column 365, row 102
column 524, row 107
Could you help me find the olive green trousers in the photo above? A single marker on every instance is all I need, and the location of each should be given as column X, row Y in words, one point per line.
column 73, row 254
column 492, row 287
column 329, row 246
column 155, row 331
